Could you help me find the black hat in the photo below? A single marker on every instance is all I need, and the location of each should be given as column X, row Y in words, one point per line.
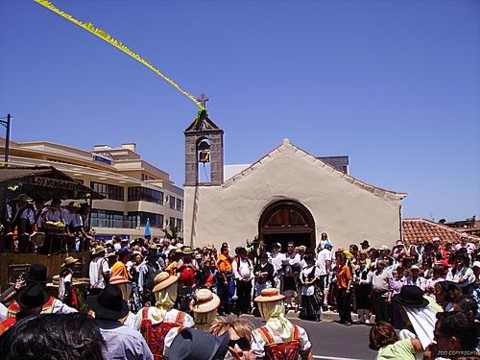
column 37, row 273
column 32, row 296
column 263, row 255
column 224, row 245
column 109, row 304
column 411, row 296
column 196, row 344
column 365, row 242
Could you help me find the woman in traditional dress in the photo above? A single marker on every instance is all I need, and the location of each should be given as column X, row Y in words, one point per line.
column 278, row 339
column 155, row 322
column 310, row 302
column 204, row 307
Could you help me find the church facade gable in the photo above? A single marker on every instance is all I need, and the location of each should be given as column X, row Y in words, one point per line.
column 347, row 209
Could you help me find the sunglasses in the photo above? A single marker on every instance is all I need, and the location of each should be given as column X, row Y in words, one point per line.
column 242, row 343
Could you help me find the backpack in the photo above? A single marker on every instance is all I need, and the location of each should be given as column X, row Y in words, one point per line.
column 187, row 275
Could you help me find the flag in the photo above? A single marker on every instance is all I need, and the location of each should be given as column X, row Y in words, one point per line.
column 148, row 232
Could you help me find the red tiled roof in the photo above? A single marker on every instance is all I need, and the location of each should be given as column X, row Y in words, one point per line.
column 421, row 231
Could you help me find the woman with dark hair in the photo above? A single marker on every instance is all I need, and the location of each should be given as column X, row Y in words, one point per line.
column 310, row 302
column 461, row 273
column 384, row 339
column 53, row 336
column 445, row 294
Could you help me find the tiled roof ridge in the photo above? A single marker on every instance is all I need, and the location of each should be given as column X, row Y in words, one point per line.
column 444, row 227
column 288, row 145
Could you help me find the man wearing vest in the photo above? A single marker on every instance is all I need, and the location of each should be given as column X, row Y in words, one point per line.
column 243, row 272
column 23, row 221
column 38, row 274
column 278, row 339
column 146, row 275
column 154, row 322
column 30, row 301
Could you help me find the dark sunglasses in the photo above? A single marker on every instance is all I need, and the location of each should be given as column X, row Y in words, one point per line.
column 242, row 343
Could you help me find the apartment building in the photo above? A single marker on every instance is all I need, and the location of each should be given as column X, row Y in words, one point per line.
column 134, row 189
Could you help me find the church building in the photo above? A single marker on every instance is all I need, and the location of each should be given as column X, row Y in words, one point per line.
column 287, row 195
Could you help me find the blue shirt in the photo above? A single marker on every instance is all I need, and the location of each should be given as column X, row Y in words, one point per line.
column 122, row 342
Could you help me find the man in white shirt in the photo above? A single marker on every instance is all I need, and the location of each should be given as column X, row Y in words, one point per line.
column 464, row 244
column 276, row 258
column 99, row 271
column 322, row 271
column 243, row 272
column 289, row 273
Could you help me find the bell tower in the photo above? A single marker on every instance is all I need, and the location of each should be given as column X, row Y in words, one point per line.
column 203, row 146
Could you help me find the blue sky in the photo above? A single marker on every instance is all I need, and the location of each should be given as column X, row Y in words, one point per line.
column 393, row 84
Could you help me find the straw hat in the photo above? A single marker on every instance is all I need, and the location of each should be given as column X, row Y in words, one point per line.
column 23, row 197
column 187, row 250
column 205, row 301
column 98, row 250
column 69, row 260
column 269, row 295
column 164, row 280
column 118, row 279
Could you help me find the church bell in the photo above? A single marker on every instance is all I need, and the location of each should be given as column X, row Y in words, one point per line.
column 204, row 152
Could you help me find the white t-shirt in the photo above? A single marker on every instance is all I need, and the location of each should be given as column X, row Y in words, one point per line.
column 323, row 256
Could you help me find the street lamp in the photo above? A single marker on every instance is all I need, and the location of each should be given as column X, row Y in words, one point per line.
column 5, row 122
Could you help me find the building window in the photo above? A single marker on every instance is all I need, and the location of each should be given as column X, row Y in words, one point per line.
column 139, row 218
column 112, row 192
column 179, row 205
column 179, row 224
column 172, row 222
column 172, row 202
column 107, row 218
column 146, row 177
column 145, row 194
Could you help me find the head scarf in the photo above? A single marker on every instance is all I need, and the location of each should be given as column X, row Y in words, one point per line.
column 202, row 321
column 274, row 314
column 165, row 300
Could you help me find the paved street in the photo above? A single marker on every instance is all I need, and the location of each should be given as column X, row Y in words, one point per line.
column 332, row 341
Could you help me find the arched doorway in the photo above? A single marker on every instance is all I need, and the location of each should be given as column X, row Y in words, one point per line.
column 285, row 221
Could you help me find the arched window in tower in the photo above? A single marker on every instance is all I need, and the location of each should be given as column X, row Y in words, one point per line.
column 203, row 159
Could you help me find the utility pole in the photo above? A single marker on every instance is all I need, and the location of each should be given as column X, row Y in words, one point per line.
column 6, row 122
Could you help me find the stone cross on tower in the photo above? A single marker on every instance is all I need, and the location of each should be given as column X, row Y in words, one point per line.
column 203, row 100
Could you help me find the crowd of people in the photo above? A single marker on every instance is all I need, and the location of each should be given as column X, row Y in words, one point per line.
column 150, row 292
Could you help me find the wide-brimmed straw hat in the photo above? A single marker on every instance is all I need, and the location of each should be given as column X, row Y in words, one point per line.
column 109, row 304
column 205, row 301
column 69, row 260
column 164, row 280
column 269, row 295
column 118, row 279
column 98, row 250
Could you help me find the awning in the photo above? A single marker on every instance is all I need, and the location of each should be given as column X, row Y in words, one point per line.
column 42, row 183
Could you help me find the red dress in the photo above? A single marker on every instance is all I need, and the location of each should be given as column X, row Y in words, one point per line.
column 155, row 334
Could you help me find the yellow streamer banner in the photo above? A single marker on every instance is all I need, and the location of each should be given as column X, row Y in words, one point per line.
column 104, row 36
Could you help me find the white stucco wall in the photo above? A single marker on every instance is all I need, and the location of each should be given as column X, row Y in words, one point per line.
column 340, row 205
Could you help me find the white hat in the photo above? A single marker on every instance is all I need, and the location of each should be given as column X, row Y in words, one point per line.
column 384, row 247
column 476, row 264
column 436, row 238
column 414, row 267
